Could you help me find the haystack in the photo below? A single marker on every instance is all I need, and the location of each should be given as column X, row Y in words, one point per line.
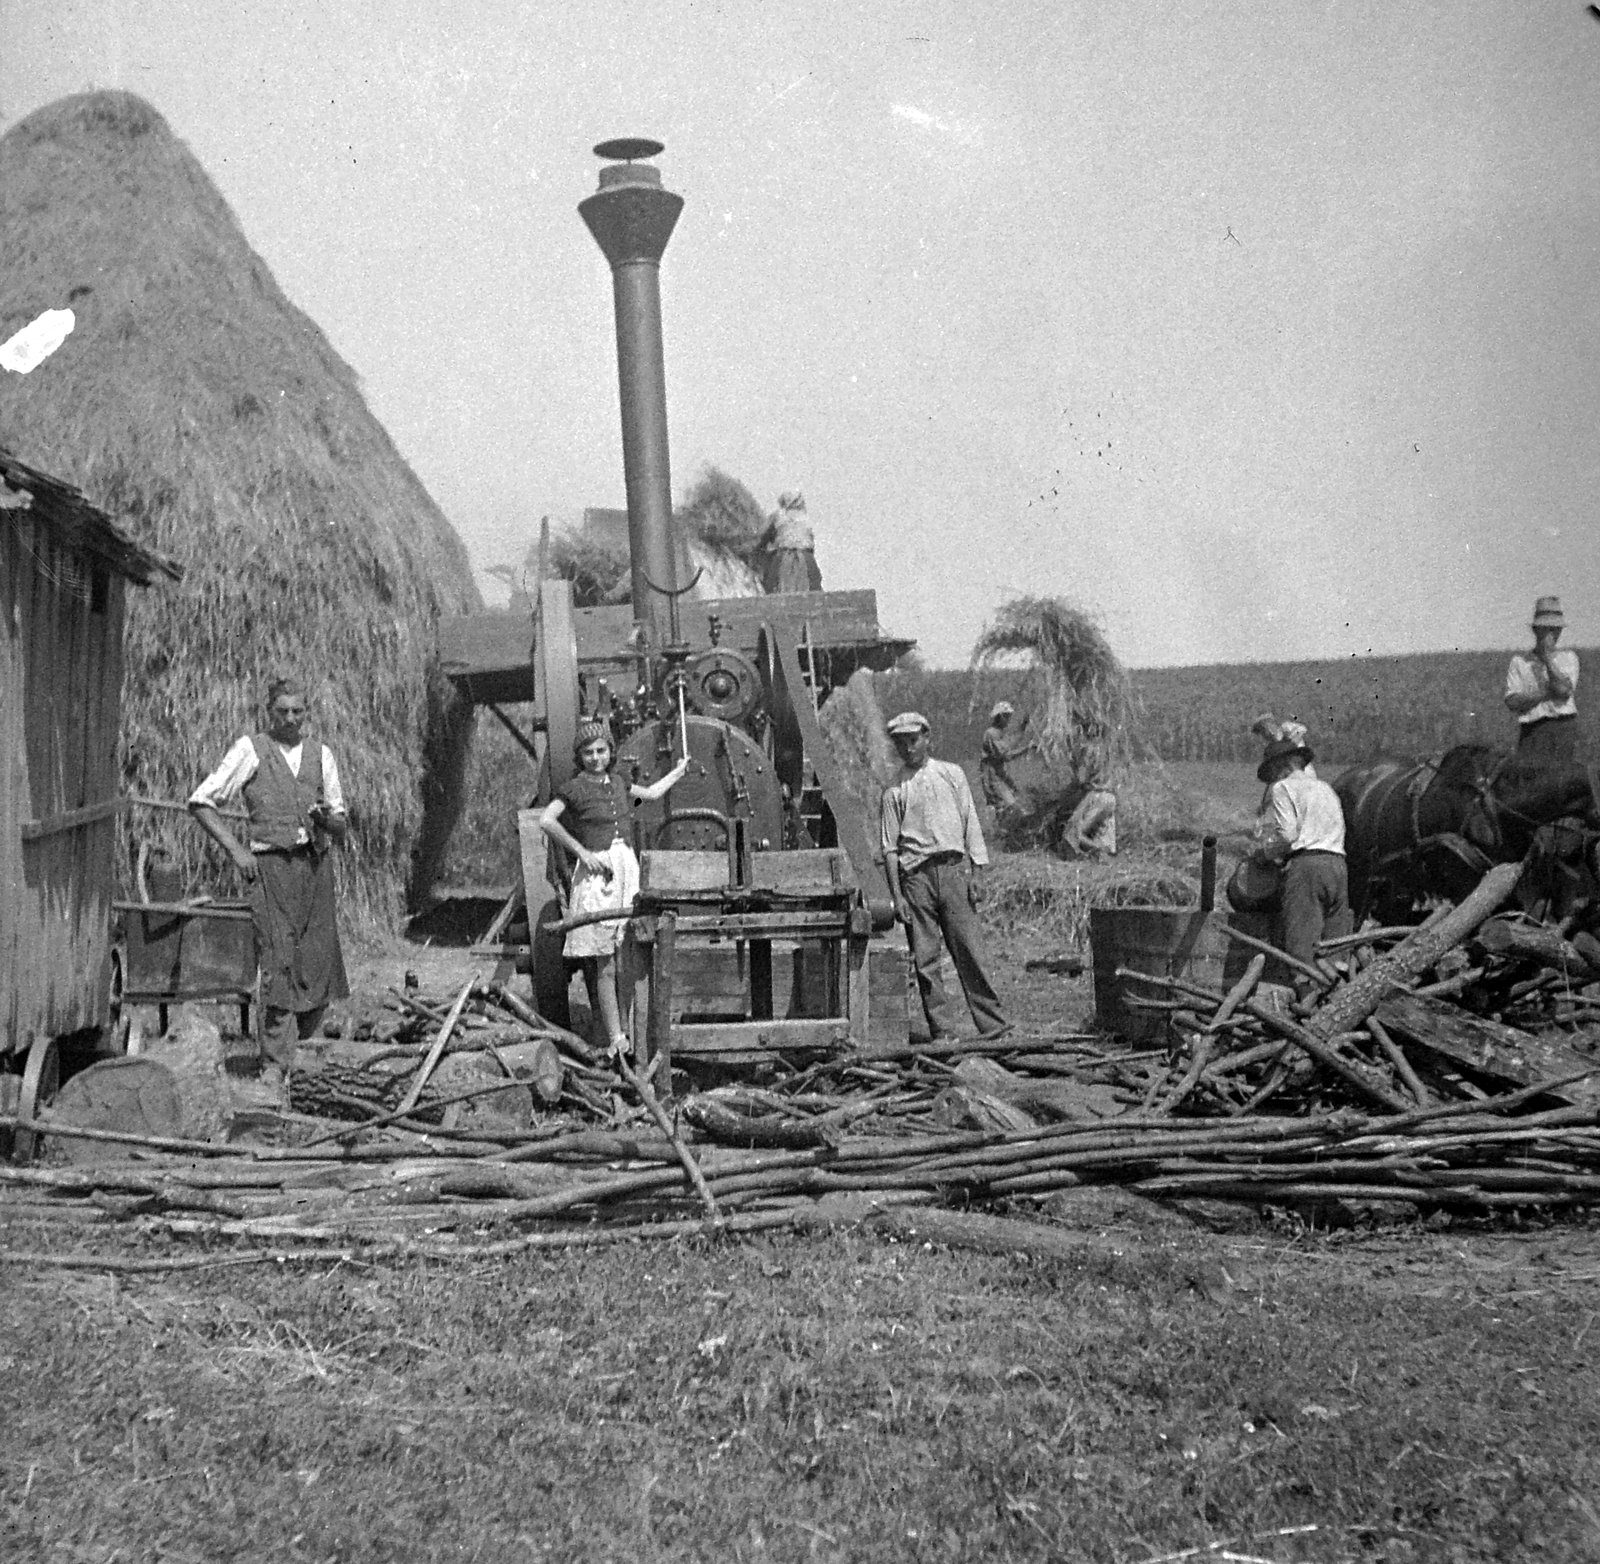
column 1054, row 663
column 197, row 405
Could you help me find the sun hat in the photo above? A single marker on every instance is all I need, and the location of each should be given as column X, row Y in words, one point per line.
column 1547, row 614
column 908, row 722
column 1276, row 751
column 1002, row 709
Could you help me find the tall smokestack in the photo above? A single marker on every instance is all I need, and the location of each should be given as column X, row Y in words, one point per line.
column 631, row 217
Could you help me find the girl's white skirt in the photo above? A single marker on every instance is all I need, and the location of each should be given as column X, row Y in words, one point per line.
column 593, row 892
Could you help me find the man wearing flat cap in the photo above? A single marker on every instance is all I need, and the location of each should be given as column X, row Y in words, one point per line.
column 994, row 761
column 1541, row 690
column 932, row 843
column 1302, row 824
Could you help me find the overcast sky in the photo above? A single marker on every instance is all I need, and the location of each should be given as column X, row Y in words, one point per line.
column 1264, row 329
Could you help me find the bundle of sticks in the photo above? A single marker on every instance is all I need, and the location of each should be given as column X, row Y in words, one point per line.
column 1398, row 1018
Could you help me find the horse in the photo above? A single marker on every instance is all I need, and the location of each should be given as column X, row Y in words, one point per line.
column 1421, row 828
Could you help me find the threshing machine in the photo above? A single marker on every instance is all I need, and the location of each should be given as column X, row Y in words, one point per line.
column 763, row 924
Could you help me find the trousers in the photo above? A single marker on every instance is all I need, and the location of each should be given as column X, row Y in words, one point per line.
column 938, row 895
column 1550, row 741
column 1315, row 903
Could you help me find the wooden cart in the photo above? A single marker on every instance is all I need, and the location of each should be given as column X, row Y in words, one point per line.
column 176, row 953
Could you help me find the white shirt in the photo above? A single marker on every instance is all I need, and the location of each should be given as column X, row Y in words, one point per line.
column 930, row 811
column 1527, row 675
column 241, row 763
column 1305, row 812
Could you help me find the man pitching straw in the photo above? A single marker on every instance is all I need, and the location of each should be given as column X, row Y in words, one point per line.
column 1541, row 690
column 931, row 844
column 290, row 788
column 994, row 763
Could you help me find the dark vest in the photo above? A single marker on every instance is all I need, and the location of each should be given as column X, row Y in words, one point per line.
column 277, row 799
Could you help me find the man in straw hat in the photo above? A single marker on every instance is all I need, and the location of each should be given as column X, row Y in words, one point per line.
column 999, row 791
column 1303, row 830
column 1541, row 690
column 290, row 788
column 932, row 842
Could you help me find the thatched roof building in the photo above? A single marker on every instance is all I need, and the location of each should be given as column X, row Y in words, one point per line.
column 196, row 404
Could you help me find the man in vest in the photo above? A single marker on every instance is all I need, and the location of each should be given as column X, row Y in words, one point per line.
column 290, row 789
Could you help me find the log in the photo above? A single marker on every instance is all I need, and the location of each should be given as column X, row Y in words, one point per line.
column 579, row 1047
column 1347, row 1008
column 722, row 1124
column 1502, row 1053
column 1535, row 941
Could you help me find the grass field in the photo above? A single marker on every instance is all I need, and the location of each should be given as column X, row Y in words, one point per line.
column 841, row 1397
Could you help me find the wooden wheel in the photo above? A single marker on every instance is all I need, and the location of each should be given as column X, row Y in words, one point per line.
column 550, row 975
column 41, row 1078
column 115, row 1036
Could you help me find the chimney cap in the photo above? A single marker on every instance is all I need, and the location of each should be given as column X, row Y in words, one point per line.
column 626, row 148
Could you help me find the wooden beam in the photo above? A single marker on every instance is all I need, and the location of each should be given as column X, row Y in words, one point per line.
column 757, row 1039
column 71, row 820
column 516, row 732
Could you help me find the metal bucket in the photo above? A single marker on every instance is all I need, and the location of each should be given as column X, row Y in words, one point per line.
column 1168, row 942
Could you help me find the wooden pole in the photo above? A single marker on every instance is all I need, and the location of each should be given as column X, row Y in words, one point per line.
column 1347, row 1008
column 414, row 1091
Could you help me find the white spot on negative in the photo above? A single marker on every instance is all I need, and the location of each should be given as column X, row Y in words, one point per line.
column 31, row 346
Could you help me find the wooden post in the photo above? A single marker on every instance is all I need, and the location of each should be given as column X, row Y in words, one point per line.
column 662, row 963
column 858, row 987
column 760, row 980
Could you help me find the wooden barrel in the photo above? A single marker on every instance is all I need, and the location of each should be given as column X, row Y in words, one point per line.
column 1169, row 942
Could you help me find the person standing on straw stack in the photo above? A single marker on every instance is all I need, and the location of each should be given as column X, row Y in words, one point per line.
column 588, row 817
column 932, row 843
column 290, row 788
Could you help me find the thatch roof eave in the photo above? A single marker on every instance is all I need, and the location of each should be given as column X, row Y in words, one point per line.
column 80, row 524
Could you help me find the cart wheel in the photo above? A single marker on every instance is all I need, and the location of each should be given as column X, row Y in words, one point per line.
column 118, row 1016
column 41, row 1078
column 550, row 976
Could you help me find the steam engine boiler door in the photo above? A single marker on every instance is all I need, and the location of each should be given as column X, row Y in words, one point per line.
column 724, row 685
column 723, row 763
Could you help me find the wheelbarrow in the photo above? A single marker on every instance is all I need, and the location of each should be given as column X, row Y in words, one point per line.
column 186, row 952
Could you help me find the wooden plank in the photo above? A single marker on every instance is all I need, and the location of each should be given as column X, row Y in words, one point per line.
column 817, row 871
column 757, row 1039
column 768, row 925
column 675, row 872
column 72, row 820
column 1451, row 1036
column 493, row 653
column 13, row 597
column 858, row 1002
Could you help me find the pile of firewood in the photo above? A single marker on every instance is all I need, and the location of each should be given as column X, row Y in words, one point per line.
column 1399, row 1018
column 1402, row 1082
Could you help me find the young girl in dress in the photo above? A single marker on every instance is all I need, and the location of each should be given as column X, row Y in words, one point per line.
column 589, row 818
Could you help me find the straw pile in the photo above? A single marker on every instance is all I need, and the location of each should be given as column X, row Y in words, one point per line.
column 1055, row 664
column 720, row 520
column 852, row 723
column 199, row 407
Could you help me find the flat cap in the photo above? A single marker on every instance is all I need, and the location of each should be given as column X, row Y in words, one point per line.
column 908, row 722
column 1002, row 709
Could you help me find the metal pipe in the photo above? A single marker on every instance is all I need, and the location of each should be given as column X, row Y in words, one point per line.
column 631, row 217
